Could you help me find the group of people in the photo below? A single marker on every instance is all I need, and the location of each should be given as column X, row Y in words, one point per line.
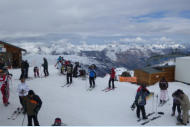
column 180, row 100
column 25, row 68
column 31, row 103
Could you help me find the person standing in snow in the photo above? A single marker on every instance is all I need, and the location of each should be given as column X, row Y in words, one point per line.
column 163, row 84
column 4, row 85
column 36, row 72
column 112, row 78
column 75, row 70
column 185, row 106
column 45, row 66
column 22, row 91
column 140, row 100
column 92, row 76
column 27, row 68
column 176, row 103
column 69, row 69
column 33, row 104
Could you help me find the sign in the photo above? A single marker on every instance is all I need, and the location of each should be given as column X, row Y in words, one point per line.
column 2, row 49
column 1, row 45
column 128, row 79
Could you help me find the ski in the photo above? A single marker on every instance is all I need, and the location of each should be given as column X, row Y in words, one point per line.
column 90, row 89
column 65, row 85
column 18, row 113
column 162, row 104
column 149, row 114
column 14, row 113
column 149, row 120
column 109, row 89
column 106, row 88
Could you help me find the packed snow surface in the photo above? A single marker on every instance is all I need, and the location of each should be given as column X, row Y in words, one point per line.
column 77, row 106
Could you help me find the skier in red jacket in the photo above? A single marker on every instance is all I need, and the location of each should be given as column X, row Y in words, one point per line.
column 112, row 78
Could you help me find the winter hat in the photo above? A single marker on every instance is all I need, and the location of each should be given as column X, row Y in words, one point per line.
column 30, row 92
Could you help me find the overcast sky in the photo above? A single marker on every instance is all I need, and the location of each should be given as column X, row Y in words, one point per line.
column 95, row 18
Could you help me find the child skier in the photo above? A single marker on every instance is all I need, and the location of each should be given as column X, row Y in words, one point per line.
column 163, row 84
column 140, row 101
column 92, row 76
column 36, row 72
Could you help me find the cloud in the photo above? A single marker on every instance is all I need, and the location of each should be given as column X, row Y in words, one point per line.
column 95, row 18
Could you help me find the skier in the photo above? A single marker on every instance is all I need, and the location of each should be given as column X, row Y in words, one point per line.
column 92, row 76
column 27, row 68
column 36, row 72
column 23, row 92
column 23, row 70
column 69, row 69
column 176, row 103
column 32, row 106
column 185, row 106
column 140, row 101
column 163, row 84
column 4, row 84
column 45, row 66
column 75, row 70
column 112, row 78
column 2, row 64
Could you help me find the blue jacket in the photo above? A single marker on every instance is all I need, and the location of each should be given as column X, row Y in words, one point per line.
column 92, row 73
column 140, row 98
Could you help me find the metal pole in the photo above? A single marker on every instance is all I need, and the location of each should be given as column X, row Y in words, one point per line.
column 23, row 120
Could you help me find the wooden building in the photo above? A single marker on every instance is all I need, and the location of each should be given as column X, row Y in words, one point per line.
column 152, row 75
column 11, row 55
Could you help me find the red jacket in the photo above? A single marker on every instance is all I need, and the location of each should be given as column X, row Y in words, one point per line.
column 112, row 74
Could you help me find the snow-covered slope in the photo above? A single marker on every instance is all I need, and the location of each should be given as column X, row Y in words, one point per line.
column 77, row 106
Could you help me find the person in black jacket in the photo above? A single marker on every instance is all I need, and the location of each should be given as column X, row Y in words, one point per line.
column 45, row 66
column 176, row 103
column 32, row 106
column 69, row 69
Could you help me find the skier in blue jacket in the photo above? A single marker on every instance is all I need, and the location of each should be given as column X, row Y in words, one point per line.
column 92, row 76
column 140, row 101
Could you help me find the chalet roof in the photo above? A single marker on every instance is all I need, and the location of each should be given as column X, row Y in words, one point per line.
column 151, row 70
column 1, row 42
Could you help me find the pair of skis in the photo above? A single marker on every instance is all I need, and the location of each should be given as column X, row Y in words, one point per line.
column 66, row 85
column 16, row 113
column 90, row 89
column 108, row 89
column 153, row 118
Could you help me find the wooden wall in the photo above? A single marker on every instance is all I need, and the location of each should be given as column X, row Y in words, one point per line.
column 12, row 56
column 150, row 79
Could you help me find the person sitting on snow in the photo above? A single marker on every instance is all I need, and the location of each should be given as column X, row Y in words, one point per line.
column 140, row 101
column 163, row 84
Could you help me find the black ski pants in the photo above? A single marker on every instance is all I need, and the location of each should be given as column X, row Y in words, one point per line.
column 21, row 101
column 92, row 82
column 69, row 78
column 35, row 119
column 111, row 80
column 46, row 73
column 142, row 109
column 178, row 108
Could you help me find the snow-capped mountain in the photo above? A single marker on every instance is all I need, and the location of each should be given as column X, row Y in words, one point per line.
column 128, row 53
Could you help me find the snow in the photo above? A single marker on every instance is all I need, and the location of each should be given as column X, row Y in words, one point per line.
column 77, row 106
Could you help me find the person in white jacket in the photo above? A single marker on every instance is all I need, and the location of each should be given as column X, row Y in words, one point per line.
column 22, row 91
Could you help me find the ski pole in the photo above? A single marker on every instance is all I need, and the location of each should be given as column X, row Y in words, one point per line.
column 156, row 104
column 23, row 120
